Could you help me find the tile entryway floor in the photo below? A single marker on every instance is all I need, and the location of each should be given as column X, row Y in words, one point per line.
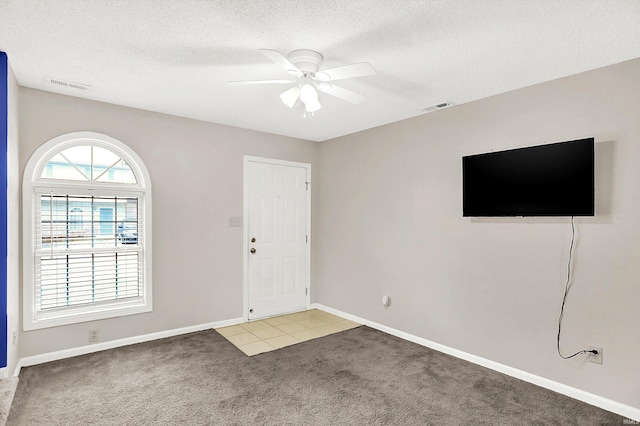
column 256, row 337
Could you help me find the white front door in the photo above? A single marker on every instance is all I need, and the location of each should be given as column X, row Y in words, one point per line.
column 276, row 236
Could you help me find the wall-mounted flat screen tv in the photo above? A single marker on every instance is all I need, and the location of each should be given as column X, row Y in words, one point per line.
column 547, row 180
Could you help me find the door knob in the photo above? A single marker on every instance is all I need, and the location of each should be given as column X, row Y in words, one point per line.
column 252, row 251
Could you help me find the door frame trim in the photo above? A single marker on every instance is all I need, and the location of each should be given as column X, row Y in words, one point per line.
column 245, row 229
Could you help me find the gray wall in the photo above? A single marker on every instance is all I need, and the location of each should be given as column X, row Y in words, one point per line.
column 390, row 222
column 196, row 173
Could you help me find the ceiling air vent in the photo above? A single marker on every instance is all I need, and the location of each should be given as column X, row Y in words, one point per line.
column 436, row 107
column 69, row 84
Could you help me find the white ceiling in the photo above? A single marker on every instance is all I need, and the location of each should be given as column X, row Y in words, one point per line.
column 177, row 56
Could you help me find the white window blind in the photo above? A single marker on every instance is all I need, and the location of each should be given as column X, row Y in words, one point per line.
column 89, row 250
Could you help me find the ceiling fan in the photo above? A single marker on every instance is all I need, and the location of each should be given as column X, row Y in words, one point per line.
column 304, row 65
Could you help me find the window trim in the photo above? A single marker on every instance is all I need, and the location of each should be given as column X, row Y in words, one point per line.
column 34, row 183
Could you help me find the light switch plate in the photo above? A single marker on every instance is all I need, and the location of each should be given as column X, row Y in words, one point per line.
column 235, row 221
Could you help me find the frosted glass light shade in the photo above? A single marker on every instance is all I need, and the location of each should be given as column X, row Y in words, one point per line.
column 312, row 105
column 308, row 93
column 290, row 97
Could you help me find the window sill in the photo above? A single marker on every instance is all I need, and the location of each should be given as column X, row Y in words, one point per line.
column 76, row 316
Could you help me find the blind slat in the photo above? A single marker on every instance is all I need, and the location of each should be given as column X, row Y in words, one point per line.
column 88, row 250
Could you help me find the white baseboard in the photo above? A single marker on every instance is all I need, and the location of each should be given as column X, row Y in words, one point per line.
column 82, row 350
column 4, row 372
column 590, row 398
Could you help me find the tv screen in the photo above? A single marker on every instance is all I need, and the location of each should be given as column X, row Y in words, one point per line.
column 547, row 180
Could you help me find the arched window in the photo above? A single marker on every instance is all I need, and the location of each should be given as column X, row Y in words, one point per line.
column 87, row 232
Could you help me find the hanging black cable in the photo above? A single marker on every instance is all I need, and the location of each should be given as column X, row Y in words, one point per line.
column 564, row 298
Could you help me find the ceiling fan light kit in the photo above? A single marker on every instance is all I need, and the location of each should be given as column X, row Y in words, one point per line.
column 307, row 93
column 290, row 96
column 304, row 65
column 309, row 97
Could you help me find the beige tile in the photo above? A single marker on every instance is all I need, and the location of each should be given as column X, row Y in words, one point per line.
column 332, row 318
column 291, row 327
column 243, row 339
column 256, row 348
column 305, row 335
column 311, row 322
column 254, row 325
column 316, row 313
column 268, row 332
column 231, row 330
column 346, row 324
column 282, row 341
column 298, row 316
column 328, row 329
column 277, row 332
column 278, row 320
column 326, row 316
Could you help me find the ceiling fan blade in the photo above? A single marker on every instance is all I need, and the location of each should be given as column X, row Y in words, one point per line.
column 262, row 82
column 348, row 71
column 282, row 62
column 342, row 93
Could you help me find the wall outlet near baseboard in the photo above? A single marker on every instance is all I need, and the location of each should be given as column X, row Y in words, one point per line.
column 595, row 358
column 94, row 336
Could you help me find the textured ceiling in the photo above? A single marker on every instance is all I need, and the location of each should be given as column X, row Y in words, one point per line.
column 177, row 56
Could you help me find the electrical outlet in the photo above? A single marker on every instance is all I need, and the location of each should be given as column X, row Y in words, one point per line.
column 94, row 336
column 595, row 358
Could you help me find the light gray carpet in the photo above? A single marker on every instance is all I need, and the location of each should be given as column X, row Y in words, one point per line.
column 357, row 377
column 7, row 390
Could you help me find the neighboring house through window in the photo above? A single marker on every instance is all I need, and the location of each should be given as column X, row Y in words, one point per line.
column 87, row 232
